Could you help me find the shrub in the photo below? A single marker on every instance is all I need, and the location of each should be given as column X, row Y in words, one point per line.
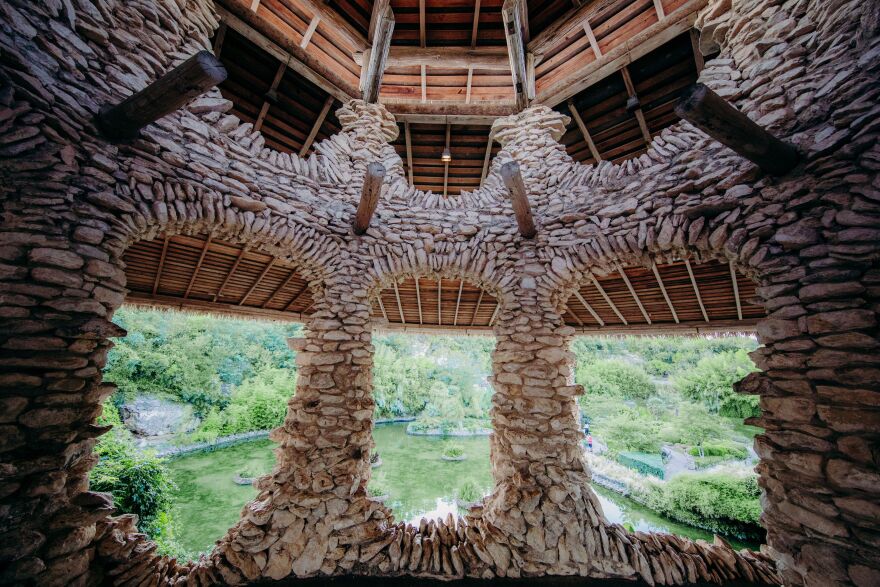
column 644, row 463
column 720, row 450
column 377, row 487
column 615, row 378
column 711, row 382
column 453, row 452
column 468, row 492
column 631, row 430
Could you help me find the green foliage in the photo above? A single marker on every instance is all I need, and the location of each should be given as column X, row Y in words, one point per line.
column 469, row 492
column 696, row 426
column 728, row 450
column 720, row 502
column 629, row 430
column 614, row 377
column 644, row 463
column 711, row 382
column 377, row 486
column 453, row 451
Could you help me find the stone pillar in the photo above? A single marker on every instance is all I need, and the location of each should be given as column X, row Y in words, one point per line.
column 312, row 512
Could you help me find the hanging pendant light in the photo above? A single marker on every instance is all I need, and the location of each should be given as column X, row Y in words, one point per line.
column 446, row 157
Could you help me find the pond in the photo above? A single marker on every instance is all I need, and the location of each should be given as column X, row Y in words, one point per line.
column 419, row 483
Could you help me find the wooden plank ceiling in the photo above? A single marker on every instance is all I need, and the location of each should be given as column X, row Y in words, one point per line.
column 204, row 274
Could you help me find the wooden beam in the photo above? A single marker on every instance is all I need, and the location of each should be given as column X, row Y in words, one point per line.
column 482, row 112
column 465, row 119
column 634, row 98
column 591, row 36
column 446, row 163
column 307, row 36
column 195, row 273
column 477, row 308
column 424, row 74
column 716, row 117
column 567, row 26
column 335, row 21
column 519, row 198
column 573, row 315
column 487, row 156
column 379, row 8
column 296, row 298
column 658, row 6
column 161, row 264
column 422, row 24
column 382, row 306
column 458, row 302
column 633, row 293
column 317, row 126
column 695, row 47
column 586, row 134
column 476, row 24
column 378, row 55
column 495, row 313
column 605, row 297
column 409, row 158
column 255, row 4
column 280, row 288
column 372, row 186
column 229, row 275
column 739, row 310
column 144, row 300
column 419, row 301
column 264, row 110
column 687, row 264
column 589, row 308
column 511, row 13
column 439, row 300
column 219, row 37
column 624, row 53
column 399, row 305
column 489, row 58
column 193, row 77
column 663, row 290
column 470, row 79
column 257, row 282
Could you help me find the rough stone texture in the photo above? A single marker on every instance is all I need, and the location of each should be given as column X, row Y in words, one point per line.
column 71, row 204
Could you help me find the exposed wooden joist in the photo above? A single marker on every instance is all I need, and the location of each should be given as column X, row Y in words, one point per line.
column 487, row 156
column 739, row 310
column 322, row 115
column 567, row 310
column 458, row 302
column 477, row 308
column 409, row 157
column 484, row 58
column 511, row 13
column 372, row 186
column 257, row 282
column 422, row 24
column 633, row 293
column 716, row 117
column 640, row 116
column 195, row 273
column 419, row 301
column 519, row 199
column 264, row 110
column 589, row 308
column 230, row 274
column 195, row 76
column 161, row 264
column 690, row 271
column 695, row 47
column 307, row 36
column 663, row 291
column 476, row 24
column 296, row 298
column 399, row 305
column 378, row 55
column 280, row 288
column 607, row 299
column 584, row 132
column 219, row 37
column 625, row 53
column 446, row 163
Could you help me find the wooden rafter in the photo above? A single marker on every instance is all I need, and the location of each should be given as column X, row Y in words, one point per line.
column 422, row 25
column 589, row 308
column 161, row 264
column 270, row 96
column 487, row 156
column 296, row 298
column 584, row 132
column 458, row 302
column 399, row 305
column 319, row 122
column 419, row 301
column 634, row 99
column 219, row 37
column 230, row 274
column 658, row 7
column 476, row 23
column 257, row 281
column 511, row 13
column 378, row 55
column 334, row 20
column 409, row 157
column 633, row 293
column 495, row 313
column 690, row 271
column 477, row 308
column 280, row 288
column 663, row 290
column 382, row 306
column 608, row 300
column 470, row 80
column 446, row 163
column 739, row 310
column 195, row 272
column 591, row 36
column 307, row 36
column 424, row 76
column 567, row 310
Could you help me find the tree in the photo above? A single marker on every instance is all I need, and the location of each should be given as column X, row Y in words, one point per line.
column 711, row 382
column 615, row 378
column 697, row 425
column 630, row 430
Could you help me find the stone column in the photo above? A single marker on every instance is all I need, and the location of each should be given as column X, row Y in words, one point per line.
column 312, row 512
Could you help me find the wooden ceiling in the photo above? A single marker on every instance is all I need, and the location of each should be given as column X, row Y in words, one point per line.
column 209, row 275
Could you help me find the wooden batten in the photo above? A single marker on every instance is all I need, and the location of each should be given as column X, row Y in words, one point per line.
column 369, row 197
column 175, row 89
column 723, row 122
column 519, row 199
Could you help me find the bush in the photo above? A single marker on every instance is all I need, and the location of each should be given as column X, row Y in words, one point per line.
column 616, row 378
column 453, row 452
column 720, row 450
column 711, row 382
column 644, row 463
column 377, row 487
column 630, row 430
column 469, row 492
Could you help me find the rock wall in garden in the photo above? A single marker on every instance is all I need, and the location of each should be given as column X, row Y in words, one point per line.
column 71, row 203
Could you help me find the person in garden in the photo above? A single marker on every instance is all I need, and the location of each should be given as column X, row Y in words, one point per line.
column 590, row 442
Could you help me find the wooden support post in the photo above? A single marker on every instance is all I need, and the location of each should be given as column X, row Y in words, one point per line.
column 419, row 301
column 586, row 134
column 633, row 293
column 687, row 264
column 695, row 47
column 257, row 282
column 458, row 302
column 261, row 117
column 195, row 273
column 307, row 36
column 605, row 297
column 476, row 24
column 446, row 163
column 716, row 117
column 408, row 139
column 230, row 274
column 477, row 308
column 399, row 305
column 663, row 290
column 487, row 157
column 369, row 197
column 511, row 13
column 634, row 98
column 317, row 126
column 589, row 308
column 161, row 264
column 519, row 198
column 175, row 89
column 739, row 310
column 378, row 55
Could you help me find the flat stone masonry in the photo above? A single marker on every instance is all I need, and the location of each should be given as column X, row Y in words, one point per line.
column 71, row 204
